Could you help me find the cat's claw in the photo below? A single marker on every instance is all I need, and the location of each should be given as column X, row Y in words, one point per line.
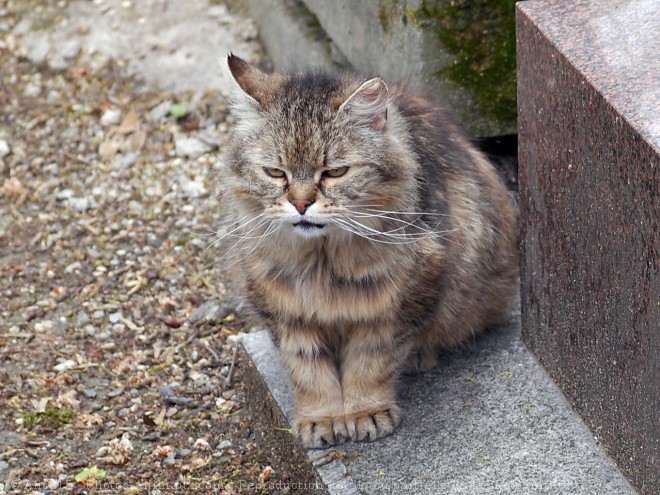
column 321, row 433
column 366, row 426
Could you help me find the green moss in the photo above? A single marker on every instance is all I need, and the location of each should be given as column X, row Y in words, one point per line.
column 481, row 36
column 50, row 418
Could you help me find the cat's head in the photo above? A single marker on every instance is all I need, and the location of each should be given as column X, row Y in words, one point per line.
column 315, row 153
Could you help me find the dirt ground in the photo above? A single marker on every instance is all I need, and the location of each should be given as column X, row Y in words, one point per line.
column 118, row 364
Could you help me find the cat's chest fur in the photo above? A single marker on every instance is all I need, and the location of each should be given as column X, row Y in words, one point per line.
column 325, row 285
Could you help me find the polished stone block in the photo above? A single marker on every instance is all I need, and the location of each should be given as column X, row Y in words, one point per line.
column 589, row 158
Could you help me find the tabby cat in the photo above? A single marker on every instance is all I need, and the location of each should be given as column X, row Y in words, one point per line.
column 370, row 235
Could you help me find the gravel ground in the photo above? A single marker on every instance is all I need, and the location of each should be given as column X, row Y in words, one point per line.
column 118, row 364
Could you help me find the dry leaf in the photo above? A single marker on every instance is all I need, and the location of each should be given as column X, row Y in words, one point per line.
column 266, row 474
column 162, row 451
column 161, row 416
column 12, row 187
column 136, row 141
column 129, row 124
column 201, row 444
column 108, row 148
column 68, row 399
column 40, row 405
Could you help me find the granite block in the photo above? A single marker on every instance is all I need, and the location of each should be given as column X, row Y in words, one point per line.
column 589, row 158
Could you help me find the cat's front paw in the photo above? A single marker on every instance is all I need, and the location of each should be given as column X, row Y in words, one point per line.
column 320, row 433
column 368, row 425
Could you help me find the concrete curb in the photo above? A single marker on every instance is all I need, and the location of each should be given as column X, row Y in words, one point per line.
column 488, row 420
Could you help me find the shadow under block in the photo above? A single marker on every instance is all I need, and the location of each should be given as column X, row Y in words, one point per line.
column 589, row 151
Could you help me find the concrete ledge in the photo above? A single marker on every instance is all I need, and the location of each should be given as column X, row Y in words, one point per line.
column 488, row 420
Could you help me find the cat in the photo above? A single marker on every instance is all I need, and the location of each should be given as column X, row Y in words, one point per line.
column 371, row 235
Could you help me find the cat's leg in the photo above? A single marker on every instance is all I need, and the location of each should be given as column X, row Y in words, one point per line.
column 319, row 419
column 372, row 361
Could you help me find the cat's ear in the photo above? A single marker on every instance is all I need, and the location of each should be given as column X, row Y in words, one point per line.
column 248, row 81
column 368, row 104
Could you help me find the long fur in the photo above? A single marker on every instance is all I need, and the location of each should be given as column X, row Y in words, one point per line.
column 413, row 248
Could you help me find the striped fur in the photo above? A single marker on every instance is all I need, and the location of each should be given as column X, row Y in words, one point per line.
column 411, row 250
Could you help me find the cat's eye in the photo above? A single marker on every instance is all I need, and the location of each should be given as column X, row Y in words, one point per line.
column 335, row 172
column 276, row 173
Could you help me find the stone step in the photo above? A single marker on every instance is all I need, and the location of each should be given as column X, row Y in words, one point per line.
column 487, row 420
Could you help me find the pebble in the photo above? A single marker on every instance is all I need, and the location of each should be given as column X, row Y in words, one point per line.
column 115, row 317
column 89, row 393
column 123, row 412
column 169, row 460
column 98, row 314
column 183, row 452
column 211, row 312
column 79, row 204
column 190, row 146
column 151, row 437
column 32, row 90
column 4, row 466
column 44, row 326
column 224, row 445
column 160, row 111
column 115, row 392
column 4, row 148
column 228, row 394
column 76, row 265
column 193, row 188
column 65, row 365
column 112, row 116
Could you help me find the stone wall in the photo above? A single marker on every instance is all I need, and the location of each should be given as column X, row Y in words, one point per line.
column 460, row 51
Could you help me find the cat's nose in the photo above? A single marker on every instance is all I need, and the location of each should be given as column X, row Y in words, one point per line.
column 301, row 204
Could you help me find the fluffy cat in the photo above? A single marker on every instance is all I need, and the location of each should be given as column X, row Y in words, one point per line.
column 371, row 234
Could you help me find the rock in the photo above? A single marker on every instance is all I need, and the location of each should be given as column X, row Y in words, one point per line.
column 82, row 318
column 4, row 468
column 39, row 47
column 193, row 188
column 169, row 460
column 183, row 452
column 71, row 268
column 32, row 90
column 115, row 392
column 45, row 326
column 160, row 111
column 211, row 312
column 224, row 445
column 65, row 365
column 89, row 393
column 4, row 148
column 79, row 204
column 234, row 338
column 115, row 317
column 190, row 146
column 112, row 116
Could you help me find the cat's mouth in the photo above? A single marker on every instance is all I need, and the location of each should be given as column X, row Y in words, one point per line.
column 305, row 225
